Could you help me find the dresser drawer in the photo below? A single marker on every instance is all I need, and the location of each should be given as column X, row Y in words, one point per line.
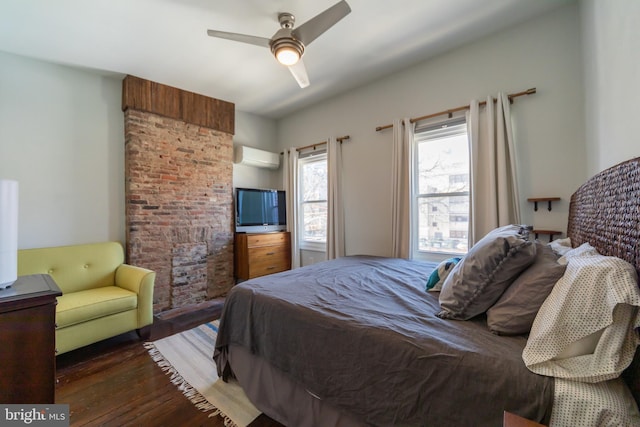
column 267, row 266
column 268, row 253
column 254, row 240
column 268, row 259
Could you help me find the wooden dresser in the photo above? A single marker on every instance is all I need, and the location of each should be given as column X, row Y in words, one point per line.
column 259, row 254
column 27, row 336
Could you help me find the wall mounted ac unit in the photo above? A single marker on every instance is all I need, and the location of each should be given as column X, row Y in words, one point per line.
column 258, row 158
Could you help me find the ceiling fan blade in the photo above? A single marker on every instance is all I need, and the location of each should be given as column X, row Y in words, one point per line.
column 258, row 41
column 320, row 23
column 300, row 73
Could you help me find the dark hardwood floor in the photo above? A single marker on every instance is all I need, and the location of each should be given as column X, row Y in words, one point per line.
column 115, row 382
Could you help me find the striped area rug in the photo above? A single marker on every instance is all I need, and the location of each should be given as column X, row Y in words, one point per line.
column 186, row 356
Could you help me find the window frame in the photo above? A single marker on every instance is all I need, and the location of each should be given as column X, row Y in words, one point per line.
column 309, row 245
column 456, row 125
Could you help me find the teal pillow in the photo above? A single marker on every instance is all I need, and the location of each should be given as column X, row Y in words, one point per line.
column 440, row 273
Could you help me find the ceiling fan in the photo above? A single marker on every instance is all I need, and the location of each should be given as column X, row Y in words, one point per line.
column 288, row 44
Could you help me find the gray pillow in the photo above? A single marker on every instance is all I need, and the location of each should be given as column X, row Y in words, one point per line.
column 489, row 267
column 516, row 309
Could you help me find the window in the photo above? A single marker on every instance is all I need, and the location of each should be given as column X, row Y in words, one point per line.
column 313, row 202
column 440, row 202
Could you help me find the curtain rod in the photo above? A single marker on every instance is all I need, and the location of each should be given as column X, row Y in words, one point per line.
column 339, row 139
column 461, row 108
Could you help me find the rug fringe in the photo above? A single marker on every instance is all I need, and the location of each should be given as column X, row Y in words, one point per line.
column 191, row 393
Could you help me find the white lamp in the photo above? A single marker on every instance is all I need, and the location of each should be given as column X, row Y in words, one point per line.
column 8, row 232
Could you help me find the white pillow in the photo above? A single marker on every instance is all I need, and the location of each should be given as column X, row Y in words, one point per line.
column 561, row 246
column 583, row 249
column 596, row 293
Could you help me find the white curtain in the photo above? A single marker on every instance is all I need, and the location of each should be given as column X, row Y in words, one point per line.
column 291, row 187
column 401, row 167
column 335, row 206
column 494, row 187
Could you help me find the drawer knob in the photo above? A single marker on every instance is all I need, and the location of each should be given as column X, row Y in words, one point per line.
column 270, row 253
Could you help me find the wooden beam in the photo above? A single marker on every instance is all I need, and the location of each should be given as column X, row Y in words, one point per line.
column 168, row 101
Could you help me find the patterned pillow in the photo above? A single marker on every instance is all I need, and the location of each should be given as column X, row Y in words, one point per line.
column 489, row 267
column 436, row 278
column 607, row 403
column 596, row 294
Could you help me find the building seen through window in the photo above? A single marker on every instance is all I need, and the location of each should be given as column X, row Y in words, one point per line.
column 441, row 189
column 313, row 200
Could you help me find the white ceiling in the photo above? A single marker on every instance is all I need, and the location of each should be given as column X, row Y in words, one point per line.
column 166, row 41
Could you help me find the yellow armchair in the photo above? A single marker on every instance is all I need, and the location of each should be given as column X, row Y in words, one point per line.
column 101, row 296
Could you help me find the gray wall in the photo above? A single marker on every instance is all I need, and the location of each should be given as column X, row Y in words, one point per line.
column 256, row 132
column 62, row 138
column 611, row 45
column 549, row 126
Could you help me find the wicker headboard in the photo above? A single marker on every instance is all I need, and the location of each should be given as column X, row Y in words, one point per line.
column 605, row 212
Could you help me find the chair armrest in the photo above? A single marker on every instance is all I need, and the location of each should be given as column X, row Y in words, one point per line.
column 141, row 281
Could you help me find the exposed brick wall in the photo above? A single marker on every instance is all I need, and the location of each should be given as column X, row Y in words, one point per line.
column 179, row 207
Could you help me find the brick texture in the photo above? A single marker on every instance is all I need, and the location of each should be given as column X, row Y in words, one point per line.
column 179, row 207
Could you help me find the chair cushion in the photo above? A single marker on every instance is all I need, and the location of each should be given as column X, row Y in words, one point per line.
column 78, row 307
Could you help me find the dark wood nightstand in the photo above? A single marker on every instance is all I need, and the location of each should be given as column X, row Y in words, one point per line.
column 27, row 336
column 513, row 420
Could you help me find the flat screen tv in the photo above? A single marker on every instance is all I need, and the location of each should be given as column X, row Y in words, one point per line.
column 260, row 211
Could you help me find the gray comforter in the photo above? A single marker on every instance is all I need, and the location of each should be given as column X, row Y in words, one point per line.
column 361, row 333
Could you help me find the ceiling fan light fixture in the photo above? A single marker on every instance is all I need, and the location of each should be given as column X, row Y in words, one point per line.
column 287, row 55
column 287, row 51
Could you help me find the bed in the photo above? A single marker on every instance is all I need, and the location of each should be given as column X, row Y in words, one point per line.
column 358, row 341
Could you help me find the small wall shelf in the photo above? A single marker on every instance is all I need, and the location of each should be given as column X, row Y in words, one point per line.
column 550, row 233
column 535, row 201
column 538, row 232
